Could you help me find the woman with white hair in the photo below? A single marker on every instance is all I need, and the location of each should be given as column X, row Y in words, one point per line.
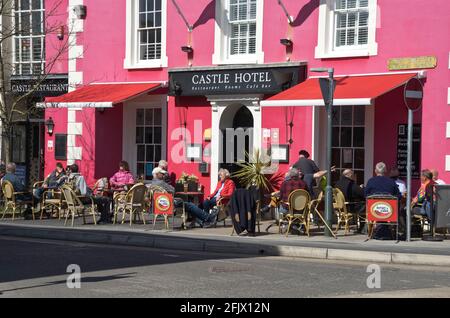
column 223, row 192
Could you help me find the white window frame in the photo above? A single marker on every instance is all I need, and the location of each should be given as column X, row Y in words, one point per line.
column 221, row 54
column 132, row 60
column 31, row 37
column 326, row 47
column 129, row 148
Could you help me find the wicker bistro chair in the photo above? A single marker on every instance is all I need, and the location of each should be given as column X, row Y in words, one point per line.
column 299, row 203
column 223, row 206
column 11, row 202
column 340, row 207
column 54, row 199
column 75, row 206
column 134, row 202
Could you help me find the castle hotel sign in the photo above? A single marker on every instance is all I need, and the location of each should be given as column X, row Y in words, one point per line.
column 262, row 79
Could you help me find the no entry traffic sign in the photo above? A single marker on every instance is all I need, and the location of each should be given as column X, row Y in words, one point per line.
column 413, row 94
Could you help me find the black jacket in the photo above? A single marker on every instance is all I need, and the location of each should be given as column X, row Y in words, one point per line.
column 350, row 189
column 243, row 203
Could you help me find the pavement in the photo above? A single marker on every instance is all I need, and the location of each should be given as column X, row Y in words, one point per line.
column 218, row 240
column 32, row 267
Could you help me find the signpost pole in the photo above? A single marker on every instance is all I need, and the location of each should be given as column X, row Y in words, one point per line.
column 329, row 189
column 409, row 174
column 327, row 86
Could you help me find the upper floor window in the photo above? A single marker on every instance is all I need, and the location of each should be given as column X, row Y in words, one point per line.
column 146, row 34
column 238, row 37
column 347, row 28
column 29, row 38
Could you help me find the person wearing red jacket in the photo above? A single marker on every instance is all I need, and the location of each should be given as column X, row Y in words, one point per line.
column 223, row 191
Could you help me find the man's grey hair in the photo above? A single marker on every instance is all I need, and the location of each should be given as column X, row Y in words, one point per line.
column 380, row 168
column 162, row 163
column 11, row 167
column 226, row 172
column 293, row 172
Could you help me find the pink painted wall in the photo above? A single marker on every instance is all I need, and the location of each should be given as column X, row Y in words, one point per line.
column 59, row 116
column 55, row 49
column 108, row 148
column 398, row 35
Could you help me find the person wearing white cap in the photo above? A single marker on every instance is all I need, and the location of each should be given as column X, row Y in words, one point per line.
column 158, row 180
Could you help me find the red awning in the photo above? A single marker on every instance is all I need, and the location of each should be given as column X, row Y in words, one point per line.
column 100, row 95
column 350, row 90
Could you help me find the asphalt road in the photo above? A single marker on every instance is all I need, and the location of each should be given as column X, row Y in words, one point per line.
column 38, row 268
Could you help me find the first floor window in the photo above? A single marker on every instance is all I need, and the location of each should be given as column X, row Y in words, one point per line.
column 146, row 34
column 243, row 27
column 29, row 38
column 352, row 22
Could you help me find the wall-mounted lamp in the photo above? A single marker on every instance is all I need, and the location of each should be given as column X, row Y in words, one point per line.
column 187, row 49
column 80, row 11
column 50, row 126
column 60, row 33
column 286, row 42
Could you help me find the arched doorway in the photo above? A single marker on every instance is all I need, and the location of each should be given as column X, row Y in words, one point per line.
column 236, row 127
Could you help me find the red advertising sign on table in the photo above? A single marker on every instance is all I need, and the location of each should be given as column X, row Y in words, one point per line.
column 163, row 204
column 382, row 210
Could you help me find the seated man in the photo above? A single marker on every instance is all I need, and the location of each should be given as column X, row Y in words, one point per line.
column 53, row 181
column 380, row 184
column 223, row 192
column 293, row 182
column 159, row 180
column 80, row 187
column 353, row 193
column 18, row 187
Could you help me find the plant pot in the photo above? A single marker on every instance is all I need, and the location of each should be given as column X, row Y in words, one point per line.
column 179, row 187
column 192, row 186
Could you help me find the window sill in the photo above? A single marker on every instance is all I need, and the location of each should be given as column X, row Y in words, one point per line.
column 248, row 59
column 345, row 54
column 129, row 65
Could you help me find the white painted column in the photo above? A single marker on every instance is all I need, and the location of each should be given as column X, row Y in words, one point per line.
column 74, row 128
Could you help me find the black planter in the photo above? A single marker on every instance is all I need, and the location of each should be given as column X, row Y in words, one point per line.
column 179, row 187
column 192, row 186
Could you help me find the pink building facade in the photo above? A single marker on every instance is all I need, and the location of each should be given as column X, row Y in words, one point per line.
column 213, row 80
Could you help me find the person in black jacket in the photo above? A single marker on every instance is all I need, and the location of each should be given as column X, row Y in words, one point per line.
column 353, row 193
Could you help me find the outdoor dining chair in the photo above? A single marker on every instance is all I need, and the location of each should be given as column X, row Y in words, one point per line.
column 134, row 203
column 76, row 206
column 340, row 207
column 12, row 203
column 298, row 202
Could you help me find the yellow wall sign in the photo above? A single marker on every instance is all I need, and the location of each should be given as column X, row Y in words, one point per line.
column 410, row 63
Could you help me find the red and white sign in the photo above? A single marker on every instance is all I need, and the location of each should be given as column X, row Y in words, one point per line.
column 163, row 204
column 50, row 145
column 413, row 94
column 382, row 210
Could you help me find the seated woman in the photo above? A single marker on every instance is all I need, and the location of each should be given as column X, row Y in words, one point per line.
column 223, row 192
column 121, row 178
column 422, row 203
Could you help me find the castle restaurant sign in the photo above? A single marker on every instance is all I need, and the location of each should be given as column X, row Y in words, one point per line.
column 225, row 81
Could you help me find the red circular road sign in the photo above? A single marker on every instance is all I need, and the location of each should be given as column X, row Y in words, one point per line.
column 413, row 94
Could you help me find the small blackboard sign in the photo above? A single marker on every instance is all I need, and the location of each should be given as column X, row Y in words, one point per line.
column 21, row 173
column 402, row 150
